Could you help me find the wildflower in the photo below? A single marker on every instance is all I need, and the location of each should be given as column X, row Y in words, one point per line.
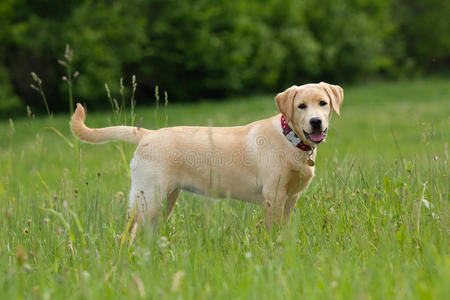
column 429, row 206
column 29, row 222
column 163, row 242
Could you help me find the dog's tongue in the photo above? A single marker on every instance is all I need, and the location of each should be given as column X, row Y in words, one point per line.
column 316, row 136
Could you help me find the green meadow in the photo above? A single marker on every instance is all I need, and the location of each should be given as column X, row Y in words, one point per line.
column 374, row 223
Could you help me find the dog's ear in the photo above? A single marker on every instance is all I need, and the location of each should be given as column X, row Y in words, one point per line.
column 336, row 94
column 285, row 101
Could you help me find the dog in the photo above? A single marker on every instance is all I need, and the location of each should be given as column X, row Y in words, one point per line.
column 267, row 162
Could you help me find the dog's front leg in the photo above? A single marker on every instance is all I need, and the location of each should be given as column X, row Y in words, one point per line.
column 274, row 206
column 289, row 208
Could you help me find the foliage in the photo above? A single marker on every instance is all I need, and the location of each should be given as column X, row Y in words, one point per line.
column 203, row 48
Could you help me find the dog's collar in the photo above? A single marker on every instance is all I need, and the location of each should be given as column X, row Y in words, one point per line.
column 292, row 136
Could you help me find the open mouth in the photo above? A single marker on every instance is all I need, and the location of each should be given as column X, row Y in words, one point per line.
column 316, row 136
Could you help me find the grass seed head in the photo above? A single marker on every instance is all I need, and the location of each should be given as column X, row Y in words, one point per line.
column 36, row 78
column 62, row 63
column 34, row 88
column 68, row 55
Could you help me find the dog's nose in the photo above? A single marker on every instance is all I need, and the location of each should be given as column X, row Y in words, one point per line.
column 316, row 123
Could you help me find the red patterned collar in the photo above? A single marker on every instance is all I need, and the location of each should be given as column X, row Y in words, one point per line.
column 292, row 136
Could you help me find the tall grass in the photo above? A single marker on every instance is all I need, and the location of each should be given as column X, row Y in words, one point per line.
column 373, row 224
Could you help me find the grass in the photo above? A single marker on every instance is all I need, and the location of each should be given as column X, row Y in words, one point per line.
column 362, row 230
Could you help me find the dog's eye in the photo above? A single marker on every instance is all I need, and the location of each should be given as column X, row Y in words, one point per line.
column 302, row 106
column 322, row 103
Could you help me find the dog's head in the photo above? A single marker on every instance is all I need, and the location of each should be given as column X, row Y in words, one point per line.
column 307, row 109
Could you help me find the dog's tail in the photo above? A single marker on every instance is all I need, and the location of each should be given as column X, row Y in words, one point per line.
column 102, row 135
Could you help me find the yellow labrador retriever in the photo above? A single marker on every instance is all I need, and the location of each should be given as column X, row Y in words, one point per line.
column 267, row 162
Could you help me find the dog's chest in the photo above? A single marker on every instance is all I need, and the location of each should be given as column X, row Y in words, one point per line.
column 298, row 180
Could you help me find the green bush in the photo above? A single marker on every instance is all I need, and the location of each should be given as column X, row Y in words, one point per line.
column 424, row 27
column 203, row 48
column 8, row 100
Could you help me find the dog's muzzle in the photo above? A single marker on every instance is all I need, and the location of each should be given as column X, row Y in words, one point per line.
column 316, row 136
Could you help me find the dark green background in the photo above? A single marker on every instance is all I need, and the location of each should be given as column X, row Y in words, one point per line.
column 213, row 49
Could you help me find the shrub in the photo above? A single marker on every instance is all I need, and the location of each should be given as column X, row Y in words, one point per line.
column 203, row 48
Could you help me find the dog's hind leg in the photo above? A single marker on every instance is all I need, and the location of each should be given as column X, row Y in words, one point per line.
column 145, row 200
column 289, row 208
column 171, row 200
